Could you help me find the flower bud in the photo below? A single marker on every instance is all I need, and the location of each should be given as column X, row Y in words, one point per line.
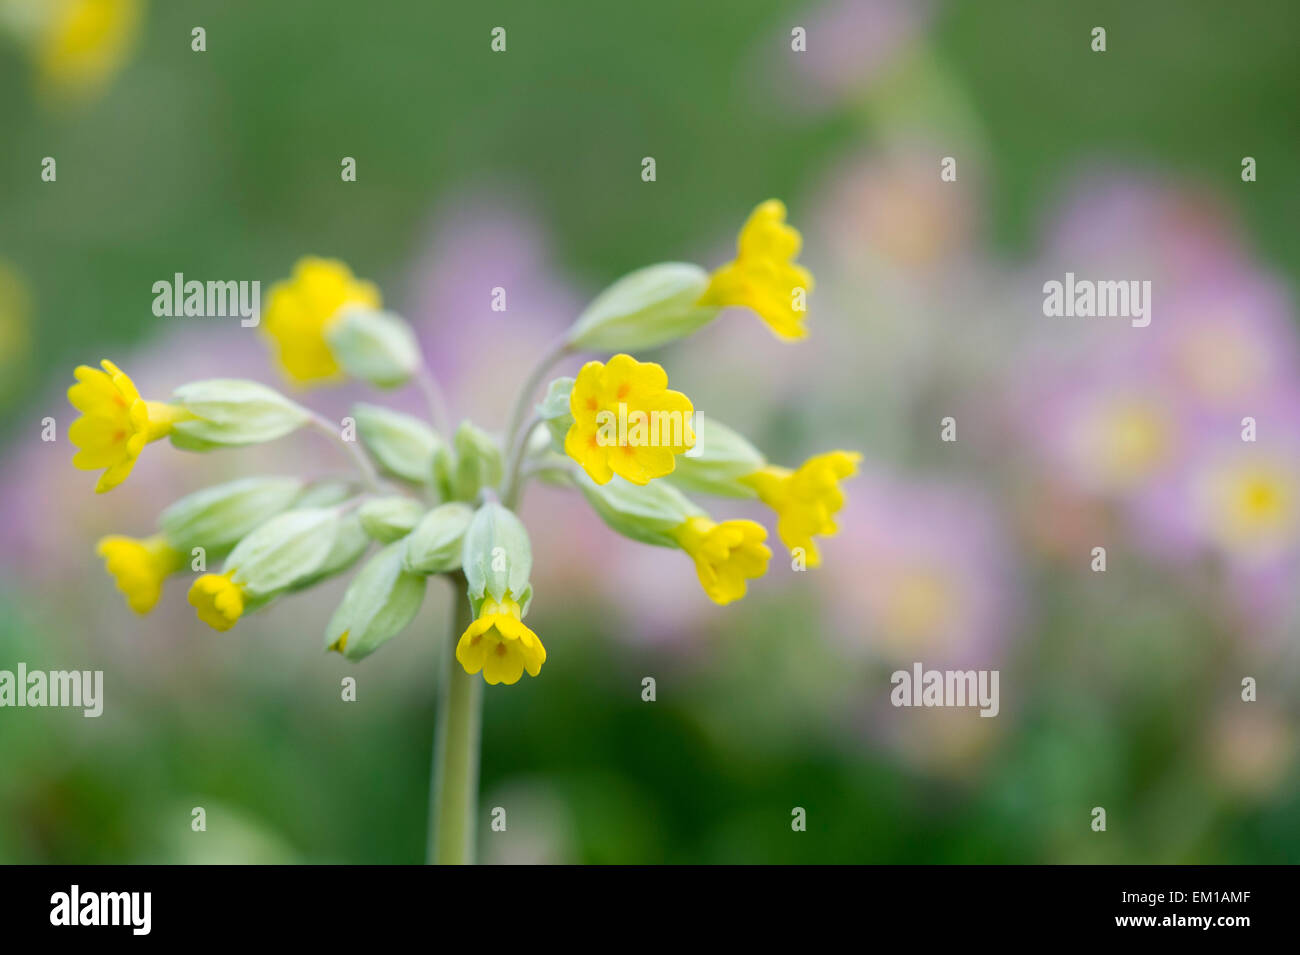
column 326, row 493
column 350, row 542
column 434, row 547
column 215, row 518
column 375, row 346
column 645, row 308
column 477, row 462
column 228, row 412
column 387, row 519
column 718, row 462
column 649, row 514
column 497, row 558
column 554, row 410
column 285, row 550
column 381, row 600
column 403, row 445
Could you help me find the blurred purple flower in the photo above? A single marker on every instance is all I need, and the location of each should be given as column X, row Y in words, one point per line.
column 850, row 43
column 922, row 571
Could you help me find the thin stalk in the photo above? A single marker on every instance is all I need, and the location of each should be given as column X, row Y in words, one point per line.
column 510, row 490
column 435, row 399
column 368, row 472
column 453, row 798
column 520, row 409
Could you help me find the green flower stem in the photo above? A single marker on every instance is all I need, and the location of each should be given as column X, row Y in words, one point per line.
column 524, row 398
column 368, row 472
column 453, row 800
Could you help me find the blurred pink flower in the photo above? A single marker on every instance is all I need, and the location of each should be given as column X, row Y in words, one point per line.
column 850, row 43
column 922, row 571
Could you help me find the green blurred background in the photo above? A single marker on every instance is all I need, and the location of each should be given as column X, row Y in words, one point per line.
column 225, row 164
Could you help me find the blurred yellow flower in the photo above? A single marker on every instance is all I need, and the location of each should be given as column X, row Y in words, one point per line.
column 805, row 500
column 115, row 423
column 139, row 566
column 218, row 600
column 1253, row 506
column 725, row 555
column 500, row 644
column 764, row 275
column 300, row 310
column 81, row 44
column 1125, row 440
column 15, row 329
column 626, row 421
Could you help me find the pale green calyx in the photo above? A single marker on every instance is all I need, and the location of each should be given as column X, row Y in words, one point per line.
column 497, row 557
column 387, row 519
column 375, row 346
column 651, row 306
column 215, row 518
column 648, row 514
column 554, row 410
column 381, row 600
column 477, row 462
column 229, row 412
column 350, row 542
column 287, row 549
column 434, row 546
column 718, row 461
column 403, row 445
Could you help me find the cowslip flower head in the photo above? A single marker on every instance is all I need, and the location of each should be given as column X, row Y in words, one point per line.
column 626, row 421
column 139, row 566
column 500, row 644
column 218, row 600
column 115, row 423
column 764, row 276
column 725, row 555
column 301, row 310
column 806, row 499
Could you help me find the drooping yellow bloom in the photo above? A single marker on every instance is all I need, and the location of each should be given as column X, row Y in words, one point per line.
column 626, row 421
column 500, row 644
column 764, row 275
column 301, row 309
column 82, row 43
column 725, row 555
column 218, row 599
column 139, row 566
column 806, row 499
column 115, row 423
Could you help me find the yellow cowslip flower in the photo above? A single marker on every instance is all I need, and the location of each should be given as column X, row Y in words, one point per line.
column 500, row 644
column 82, row 43
column 218, row 599
column 300, row 310
column 764, row 275
column 626, row 421
column 725, row 555
column 115, row 423
column 139, row 566
column 806, row 499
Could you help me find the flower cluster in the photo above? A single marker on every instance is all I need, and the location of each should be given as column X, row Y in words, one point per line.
column 433, row 501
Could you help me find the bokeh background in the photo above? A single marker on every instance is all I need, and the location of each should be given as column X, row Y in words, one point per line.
column 522, row 170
